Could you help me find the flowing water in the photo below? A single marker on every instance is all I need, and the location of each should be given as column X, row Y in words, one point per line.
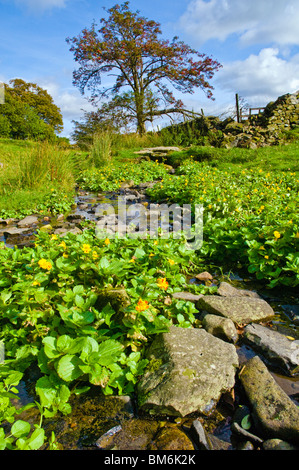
column 90, row 417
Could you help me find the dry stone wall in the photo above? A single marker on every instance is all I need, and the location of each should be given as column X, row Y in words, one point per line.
column 263, row 129
column 267, row 128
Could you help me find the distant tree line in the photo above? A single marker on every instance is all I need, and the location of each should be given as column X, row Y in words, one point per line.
column 29, row 112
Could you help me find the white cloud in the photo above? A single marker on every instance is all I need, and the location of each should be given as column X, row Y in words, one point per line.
column 254, row 21
column 70, row 102
column 261, row 77
column 40, row 5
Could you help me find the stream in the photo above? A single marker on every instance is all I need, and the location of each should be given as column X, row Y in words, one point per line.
column 94, row 416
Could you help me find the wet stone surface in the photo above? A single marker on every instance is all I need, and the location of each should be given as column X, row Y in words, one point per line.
column 98, row 422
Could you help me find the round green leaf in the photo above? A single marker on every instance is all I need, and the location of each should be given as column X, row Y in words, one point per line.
column 20, row 428
column 68, row 367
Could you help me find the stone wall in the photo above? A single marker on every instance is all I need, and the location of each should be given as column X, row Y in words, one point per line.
column 260, row 130
column 265, row 128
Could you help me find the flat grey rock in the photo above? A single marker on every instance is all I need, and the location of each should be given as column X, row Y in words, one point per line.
column 276, row 347
column 188, row 371
column 241, row 310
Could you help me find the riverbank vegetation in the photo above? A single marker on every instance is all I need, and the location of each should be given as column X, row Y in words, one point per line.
column 50, row 293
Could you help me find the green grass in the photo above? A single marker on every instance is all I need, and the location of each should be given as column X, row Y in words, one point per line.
column 282, row 158
column 35, row 177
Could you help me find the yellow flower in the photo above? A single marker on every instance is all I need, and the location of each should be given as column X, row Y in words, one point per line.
column 107, row 241
column 142, row 305
column 95, row 255
column 36, row 283
column 65, row 255
column 171, row 262
column 162, row 283
column 277, row 234
column 44, row 264
column 86, row 248
column 156, row 242
column 54, row 237
column 63, row 244
column 266, row 257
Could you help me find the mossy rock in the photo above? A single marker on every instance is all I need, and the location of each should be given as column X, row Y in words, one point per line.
column 171, row 438
column 117, row 297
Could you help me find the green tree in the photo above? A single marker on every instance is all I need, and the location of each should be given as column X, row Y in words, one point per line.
column 128, row 47
column 25, row 114
column 38, row 99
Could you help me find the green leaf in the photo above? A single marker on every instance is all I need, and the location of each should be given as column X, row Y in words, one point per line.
column 246, row 422
column 5, row 296
column 37, row 439
column 79, row 301
column 79, row 290
column 108, row 352
column 83, row 318
column 20, row 428
column 68, row 368
column 139, row 253
column 104, row 263
column 13, row 378
column 50, row 347
column 64, row 343
column 46, row 392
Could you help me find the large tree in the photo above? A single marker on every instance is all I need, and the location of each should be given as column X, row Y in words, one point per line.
column 29, row 112
column 38, row 99
column 146, row 67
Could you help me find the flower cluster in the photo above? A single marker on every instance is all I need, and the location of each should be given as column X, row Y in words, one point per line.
column 44, row 264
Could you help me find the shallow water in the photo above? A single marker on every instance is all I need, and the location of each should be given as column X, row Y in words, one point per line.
column 284, row 301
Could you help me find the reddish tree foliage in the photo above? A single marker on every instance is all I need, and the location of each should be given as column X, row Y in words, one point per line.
column 128, row 47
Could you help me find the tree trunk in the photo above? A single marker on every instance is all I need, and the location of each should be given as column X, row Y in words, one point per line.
column 139, row 102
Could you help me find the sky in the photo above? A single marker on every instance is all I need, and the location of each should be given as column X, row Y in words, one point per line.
column 256, row 41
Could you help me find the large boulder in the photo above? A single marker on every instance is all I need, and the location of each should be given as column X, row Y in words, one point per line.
column 273, row 412
column 188, row 371
column 241, row 310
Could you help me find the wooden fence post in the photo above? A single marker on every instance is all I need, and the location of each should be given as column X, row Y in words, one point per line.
column 238, row 108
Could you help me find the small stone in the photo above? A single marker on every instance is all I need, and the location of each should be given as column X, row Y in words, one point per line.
column 106, row 441
column 28, row 221
column 222, row 328
column 187, row 296
column 171, row 438
column 200, row 436
column 246, row 445
column 204, row 440
column 205, row 276
column 46, row 228
column 278, row 444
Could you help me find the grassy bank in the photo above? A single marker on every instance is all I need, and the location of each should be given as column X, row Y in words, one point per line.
column 35, row 177
column 51, row 295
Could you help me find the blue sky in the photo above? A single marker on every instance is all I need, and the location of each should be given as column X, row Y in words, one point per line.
column 256, row 41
